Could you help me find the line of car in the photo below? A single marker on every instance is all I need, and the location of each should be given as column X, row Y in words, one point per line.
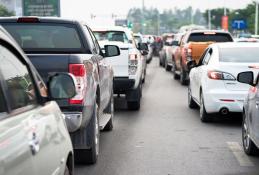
column 220, row 77
column 57, row 91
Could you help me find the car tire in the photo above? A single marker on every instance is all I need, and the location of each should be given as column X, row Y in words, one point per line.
column 167, row 67
column 191, row 103
column 183, row 75
column 248, row 145
column 66, row 171
column 89, row 156
column 110, row 110
column 135, row 105
column 204, row 116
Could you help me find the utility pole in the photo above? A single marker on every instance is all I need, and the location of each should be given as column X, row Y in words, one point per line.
column 256, row 17
column 209, row 19
column 143, row 17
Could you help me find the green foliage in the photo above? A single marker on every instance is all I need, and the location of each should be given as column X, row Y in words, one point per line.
column 5, row 12
column 247, row 14
column 151, row 21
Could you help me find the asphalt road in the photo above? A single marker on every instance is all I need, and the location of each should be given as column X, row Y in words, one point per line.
column 167, row 138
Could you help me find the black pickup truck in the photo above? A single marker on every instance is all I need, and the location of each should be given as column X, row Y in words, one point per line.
column 59, row 45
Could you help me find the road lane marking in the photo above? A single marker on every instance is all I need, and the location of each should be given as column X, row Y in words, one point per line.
column 240, row 155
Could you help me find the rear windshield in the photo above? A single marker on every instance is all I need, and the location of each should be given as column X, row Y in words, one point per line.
column 239, row 55
column 45, row 37
column 203, row 37
column 111, row 36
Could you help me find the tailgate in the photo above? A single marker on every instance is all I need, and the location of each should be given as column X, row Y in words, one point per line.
column 47, row 64
column 197, row 49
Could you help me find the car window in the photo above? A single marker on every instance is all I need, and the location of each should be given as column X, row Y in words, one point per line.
column 207, row 37
column 45, row 37
column 90, row 40
column 119, row 36
column 237, row 55
column 19, row 84
column 207, row 57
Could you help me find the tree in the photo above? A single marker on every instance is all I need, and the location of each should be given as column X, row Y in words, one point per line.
column 4, row 11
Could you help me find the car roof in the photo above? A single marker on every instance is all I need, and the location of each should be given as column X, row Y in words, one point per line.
column 208, row 31
column 41, row 19
column 110, row 28
column 235, row 45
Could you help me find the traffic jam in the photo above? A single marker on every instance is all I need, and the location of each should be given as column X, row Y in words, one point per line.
column 83, row 99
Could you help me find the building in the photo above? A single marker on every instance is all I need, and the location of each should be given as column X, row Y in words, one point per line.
column 13, row 5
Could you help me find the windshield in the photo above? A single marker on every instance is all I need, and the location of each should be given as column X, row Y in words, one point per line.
column 203, row 37
column 237, row 55
column 111, row 36
column 45, row 37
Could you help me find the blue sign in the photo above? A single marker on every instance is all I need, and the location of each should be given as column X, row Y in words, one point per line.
column 239, row 24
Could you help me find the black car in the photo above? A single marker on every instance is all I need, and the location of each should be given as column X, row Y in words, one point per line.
column 250, row 126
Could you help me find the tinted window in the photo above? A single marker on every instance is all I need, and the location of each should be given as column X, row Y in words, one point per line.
column 239, row 55
column 111, row 36
column 203, row 37
column 45, row 37
column 19, row 84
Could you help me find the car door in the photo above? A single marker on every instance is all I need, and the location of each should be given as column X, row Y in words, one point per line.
column 199, row 72
column 104, row 72
column 254, row 117
column 36, row 125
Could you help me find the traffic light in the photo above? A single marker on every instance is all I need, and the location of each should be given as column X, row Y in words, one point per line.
column 130, row 25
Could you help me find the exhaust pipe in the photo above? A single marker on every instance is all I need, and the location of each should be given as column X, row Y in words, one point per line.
column 224, row 111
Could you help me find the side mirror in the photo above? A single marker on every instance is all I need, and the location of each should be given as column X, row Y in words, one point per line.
column 144, row 52
column 191, row 64
column 62, row 86
column 111, row 50
column 143, row 46
column 246, row 77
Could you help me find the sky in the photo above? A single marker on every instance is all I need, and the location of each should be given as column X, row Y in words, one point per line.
column 103, row 9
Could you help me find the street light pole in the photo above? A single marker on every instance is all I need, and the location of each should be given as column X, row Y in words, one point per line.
column 256, row 17
column 209, row 19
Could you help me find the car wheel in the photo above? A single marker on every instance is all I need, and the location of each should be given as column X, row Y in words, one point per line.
column 191, row 103
column 110, row 110
column 167, row 67
column 89, row 156
column 135, row 105
column 183, row 77
column 66, row 171
column 248, row 145
column 204, row 116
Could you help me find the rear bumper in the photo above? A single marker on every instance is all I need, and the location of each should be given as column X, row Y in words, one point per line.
column 123, row 84
column 232, row 100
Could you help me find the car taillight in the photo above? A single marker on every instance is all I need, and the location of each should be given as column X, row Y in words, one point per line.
column 253, row 89
column 133, row 64
column 28, row 20
column 218, row 75
column 188, row 53
column 79, row 71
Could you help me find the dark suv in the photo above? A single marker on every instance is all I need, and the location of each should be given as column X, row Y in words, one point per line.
column 59, row 45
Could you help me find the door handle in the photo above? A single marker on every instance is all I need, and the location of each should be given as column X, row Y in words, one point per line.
column 34, row 144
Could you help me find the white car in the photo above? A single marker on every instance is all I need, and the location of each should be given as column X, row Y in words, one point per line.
column 213, row 82
column 129, row 66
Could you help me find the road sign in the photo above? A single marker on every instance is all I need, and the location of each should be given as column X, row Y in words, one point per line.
column 239, row 24
column 41, row 7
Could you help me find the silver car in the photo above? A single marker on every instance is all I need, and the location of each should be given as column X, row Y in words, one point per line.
column 33, row 135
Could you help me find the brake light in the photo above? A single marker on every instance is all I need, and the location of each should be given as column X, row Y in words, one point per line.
column 218, row 75
column 253, row 89
column 79, row 71
column 133, row 64
column 28, row 20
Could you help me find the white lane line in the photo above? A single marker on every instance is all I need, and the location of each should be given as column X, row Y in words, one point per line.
column 240, row 155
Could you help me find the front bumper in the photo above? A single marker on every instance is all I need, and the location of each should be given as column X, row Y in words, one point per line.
column 216, row 100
